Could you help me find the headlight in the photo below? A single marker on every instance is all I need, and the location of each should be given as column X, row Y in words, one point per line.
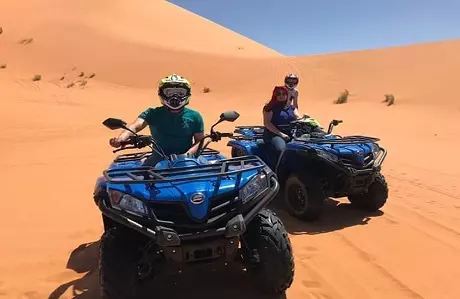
column 327, row 156
column 375, row 150
column 256, row 185
column 127, row 203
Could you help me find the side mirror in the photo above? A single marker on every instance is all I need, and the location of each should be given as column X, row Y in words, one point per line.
column 336, row 122
column 230, row 116
column 114, row 123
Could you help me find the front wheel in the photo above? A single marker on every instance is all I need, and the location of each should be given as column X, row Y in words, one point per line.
column 118, row 271
column 375, row 197
column 236, row 152
column 267, row 251
column 304, row 197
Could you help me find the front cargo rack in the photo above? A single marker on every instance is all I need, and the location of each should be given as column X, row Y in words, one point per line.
column 141, row 155
column 148, row 174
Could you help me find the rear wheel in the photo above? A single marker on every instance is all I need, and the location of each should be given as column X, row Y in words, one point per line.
column 375, row 197
column 118, row 271
column 267, row 251
column 304, row 197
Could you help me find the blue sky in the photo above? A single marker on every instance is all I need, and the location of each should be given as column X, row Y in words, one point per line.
column 304, row 27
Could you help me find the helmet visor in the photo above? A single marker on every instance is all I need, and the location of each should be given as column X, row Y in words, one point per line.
column 179, row 92
column 291, row 81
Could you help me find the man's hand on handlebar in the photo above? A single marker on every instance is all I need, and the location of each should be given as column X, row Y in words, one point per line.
column 115, row 142
column 120, row 141
column 135, row 141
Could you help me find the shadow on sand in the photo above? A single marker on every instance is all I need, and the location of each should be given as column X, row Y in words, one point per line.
column 336, row 216
column 227, row 284
column 204, row 284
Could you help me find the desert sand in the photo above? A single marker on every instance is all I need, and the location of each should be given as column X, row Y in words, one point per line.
column 100, row 59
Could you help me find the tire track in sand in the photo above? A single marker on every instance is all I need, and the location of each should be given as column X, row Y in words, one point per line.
column 404, row 288
column 340, row 269
column 415, row 258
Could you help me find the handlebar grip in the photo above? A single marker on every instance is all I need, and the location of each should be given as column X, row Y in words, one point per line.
column 226, row 134
column 123, row 143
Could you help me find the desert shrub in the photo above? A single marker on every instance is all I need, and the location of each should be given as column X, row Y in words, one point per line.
column 26, row 41
column 343, row 97
column 389, row 99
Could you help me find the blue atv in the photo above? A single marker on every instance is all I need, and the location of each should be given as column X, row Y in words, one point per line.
column 188, row 210
column 318, row 164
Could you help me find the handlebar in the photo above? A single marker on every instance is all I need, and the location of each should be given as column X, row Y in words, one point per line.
column 215, row 136
column 139, row 141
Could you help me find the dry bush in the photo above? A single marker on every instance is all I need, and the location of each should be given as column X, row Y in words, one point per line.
column 26, row 41
column 206, row 89
column 2, row 66
column 37, row 77
column 389, row 99
column 343, row 97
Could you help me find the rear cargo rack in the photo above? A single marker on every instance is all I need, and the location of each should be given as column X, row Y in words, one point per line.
column 148, row 174
column 344, row 140
column 258, row 130
column 244, row 137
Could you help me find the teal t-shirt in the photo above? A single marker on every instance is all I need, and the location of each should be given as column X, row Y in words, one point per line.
column 173, row 132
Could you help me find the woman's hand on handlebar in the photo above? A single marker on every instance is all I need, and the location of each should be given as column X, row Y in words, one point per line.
column 284, row 136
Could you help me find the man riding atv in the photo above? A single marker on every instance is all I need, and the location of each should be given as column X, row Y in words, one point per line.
column 173, row 126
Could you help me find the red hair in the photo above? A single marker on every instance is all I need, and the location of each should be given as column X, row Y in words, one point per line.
column 273, row 102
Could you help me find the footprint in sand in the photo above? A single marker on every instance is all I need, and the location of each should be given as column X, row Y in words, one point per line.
column 310, row 248
column 31, row 295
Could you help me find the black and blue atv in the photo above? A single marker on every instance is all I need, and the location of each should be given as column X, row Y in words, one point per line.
column 188, row 210
column 318, row 164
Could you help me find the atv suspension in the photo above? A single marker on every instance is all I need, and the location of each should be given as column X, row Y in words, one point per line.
column 150, row 254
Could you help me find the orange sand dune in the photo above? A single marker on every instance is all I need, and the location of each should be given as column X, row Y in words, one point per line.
column 54, row 146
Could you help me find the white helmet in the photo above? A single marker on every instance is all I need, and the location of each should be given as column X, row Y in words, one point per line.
column 291, row 80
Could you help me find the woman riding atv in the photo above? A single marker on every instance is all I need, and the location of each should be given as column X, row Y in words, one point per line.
column 278, row 112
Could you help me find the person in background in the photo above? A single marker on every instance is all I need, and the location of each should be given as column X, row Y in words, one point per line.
column 291, row 81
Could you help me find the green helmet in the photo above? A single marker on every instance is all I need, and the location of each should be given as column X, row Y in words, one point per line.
column 311, row 121
column 174, row 91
